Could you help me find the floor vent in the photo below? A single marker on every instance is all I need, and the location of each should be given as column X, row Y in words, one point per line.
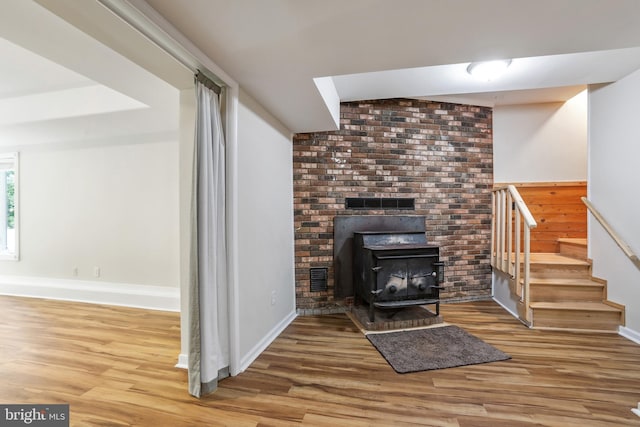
column 319, row 277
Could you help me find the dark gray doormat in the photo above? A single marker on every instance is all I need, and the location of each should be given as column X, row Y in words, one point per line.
column 433, row 348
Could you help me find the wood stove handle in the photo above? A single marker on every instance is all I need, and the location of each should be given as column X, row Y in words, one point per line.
column 375, row 292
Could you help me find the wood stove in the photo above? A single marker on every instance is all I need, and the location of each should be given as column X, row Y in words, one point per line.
column 396, row 269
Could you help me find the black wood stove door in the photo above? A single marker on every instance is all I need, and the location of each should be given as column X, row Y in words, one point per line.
column 392, row 279
column 401, row 278
column 422, row 276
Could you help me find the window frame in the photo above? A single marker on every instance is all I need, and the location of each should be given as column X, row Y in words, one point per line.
column 13, row 157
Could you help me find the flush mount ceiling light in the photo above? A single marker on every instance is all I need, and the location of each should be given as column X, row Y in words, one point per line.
column 488, row 70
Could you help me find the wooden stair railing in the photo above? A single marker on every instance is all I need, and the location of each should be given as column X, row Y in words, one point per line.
column 615, row 236
column 512, row 219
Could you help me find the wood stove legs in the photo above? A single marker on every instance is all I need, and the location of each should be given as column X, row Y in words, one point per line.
column 399, row 305
column 372, row 302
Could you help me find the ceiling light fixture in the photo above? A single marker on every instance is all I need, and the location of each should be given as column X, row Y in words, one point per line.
column 488, row 70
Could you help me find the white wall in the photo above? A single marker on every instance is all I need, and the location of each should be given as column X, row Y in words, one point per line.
column 614, row 151
column 541, row 142
column 266, row 291
column 544, row 142
column 114, row 207
column 502, row 294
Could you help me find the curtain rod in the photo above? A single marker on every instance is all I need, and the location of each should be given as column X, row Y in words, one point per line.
column 138, row 17
column 207, row 82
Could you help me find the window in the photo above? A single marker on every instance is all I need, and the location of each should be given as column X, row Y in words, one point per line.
column 8, row 206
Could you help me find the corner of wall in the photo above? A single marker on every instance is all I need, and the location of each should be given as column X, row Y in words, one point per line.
column 261, row 345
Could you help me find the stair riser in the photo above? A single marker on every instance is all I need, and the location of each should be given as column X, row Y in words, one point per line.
column 523, row 314
column 574, row 251
column 559, row 293
column 550, row 271
column 576, row 319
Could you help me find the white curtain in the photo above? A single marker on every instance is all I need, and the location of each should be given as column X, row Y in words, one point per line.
column 208, row 324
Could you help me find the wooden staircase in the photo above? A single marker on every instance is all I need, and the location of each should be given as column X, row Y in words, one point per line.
column 549, row 275
column 564, row 295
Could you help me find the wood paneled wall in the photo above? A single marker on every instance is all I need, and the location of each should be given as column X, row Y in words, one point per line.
column 558, row 210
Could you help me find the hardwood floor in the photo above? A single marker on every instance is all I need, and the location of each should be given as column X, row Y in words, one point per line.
column 114, row 366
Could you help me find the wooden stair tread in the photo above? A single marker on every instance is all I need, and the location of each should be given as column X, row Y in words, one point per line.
column 554, row 258
column 574, row 305
column 564, row 282
column 573, row 241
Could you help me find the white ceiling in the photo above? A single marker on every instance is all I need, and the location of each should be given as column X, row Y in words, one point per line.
column 299, row 59
column 275, row 48
column 58, row 85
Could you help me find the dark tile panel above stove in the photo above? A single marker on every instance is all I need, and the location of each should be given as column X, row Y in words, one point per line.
column 379, row 203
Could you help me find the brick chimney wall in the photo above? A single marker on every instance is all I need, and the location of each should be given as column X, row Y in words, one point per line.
column 438, row 153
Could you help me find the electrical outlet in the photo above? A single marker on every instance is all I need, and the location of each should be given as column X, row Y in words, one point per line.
column 96, row 271
column 273, row 297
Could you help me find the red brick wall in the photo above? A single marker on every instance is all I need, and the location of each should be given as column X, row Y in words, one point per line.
column 438, row 153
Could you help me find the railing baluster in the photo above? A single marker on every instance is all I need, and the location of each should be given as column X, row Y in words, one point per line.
column 493, row 229
column 517, row 250
column 508, row 206
column 527, row 264
column 509, row 221
column 500, row 246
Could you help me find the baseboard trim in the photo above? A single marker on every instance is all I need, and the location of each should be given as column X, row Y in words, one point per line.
column 506, row 308
column 516, row 315
column 121, row 294
column 257, row 349
column 183, row 361
column 629, row 334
